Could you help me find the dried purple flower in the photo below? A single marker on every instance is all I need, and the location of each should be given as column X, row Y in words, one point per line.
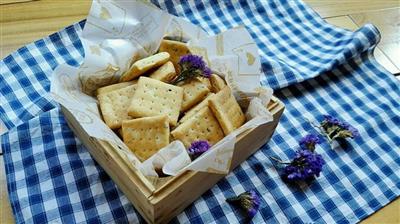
column 330, row 120
column 192, row 66
column 309, row 141
column 249, row 201
column 207, row 72
column 348, row 131
column 197, row 148
column 335, row 128
column 304, row 166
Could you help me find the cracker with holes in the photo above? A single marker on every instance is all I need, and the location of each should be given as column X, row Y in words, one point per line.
column 114, row 105
column 176, row 50
column 143, row 65
column 196, row 108
column 194, row 91
column 227, row 111
column 145, row 136
column 113, row 87
column 154, row 97
column 201, row 126
column 164, row 73
column 217, row 83
column 205, row 81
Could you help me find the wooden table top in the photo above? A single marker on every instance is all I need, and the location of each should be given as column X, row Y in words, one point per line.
column 23, row 21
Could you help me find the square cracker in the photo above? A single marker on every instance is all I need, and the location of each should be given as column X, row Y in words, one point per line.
column 205, row 81
column 143, row 65
column 201, row 126
column 227, row 111
column 196, row 108
column 114, row 105
column 176, row 49
column 154, row 97
column 113, row 87
column 165, row 73
column 145, row 136
column 217, row 83
column 193, row 92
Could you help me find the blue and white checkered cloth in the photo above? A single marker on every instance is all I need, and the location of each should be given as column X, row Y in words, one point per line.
column 315, row 69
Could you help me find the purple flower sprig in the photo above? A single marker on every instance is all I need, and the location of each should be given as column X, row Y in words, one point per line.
column 197, row 148
column 305, row 166
column 332, row 128
column 309, row 142
column 249, row 202
column 335, row 128
column 191, row 66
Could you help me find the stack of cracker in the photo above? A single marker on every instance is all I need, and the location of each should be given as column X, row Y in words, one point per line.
column 149, row 113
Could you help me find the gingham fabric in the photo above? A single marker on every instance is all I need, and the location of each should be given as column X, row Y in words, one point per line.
column 315, row 69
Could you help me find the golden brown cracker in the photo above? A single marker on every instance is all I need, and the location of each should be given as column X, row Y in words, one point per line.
column 165, row 73
column 114, row 105
column 145, row 136
column 217, row 83
column 113, row 87
column 193, row 92
column 227, row 111
column 143, row 65
column 154, row 97
column 196, row 108
column 205, row 81
column 176, row 49
column 201, row 126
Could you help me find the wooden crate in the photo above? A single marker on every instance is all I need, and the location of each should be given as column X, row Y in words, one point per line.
column 160, row 199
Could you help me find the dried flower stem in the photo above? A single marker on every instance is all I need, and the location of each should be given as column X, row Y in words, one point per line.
column 321, row 131
column 185, row 75
column 278, row 160
column 249, row 201
column 191, row 66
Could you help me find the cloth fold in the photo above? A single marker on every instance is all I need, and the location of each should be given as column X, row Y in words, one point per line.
column 315, row 69
column 295, row 43
column 281, row 73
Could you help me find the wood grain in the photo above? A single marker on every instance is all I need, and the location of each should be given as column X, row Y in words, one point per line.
column 346, row 22
column 387, row 215
column 3, row 2
column 23, row 23
column 50, row 9
column 388, row 23
column 331, row 8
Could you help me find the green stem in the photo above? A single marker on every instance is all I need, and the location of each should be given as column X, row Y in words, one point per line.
column 334, row 131
column 184, row 75
column 232, row 199
column 336, row 135
column 178, row 79
column 278, row 160
column 321, row 131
